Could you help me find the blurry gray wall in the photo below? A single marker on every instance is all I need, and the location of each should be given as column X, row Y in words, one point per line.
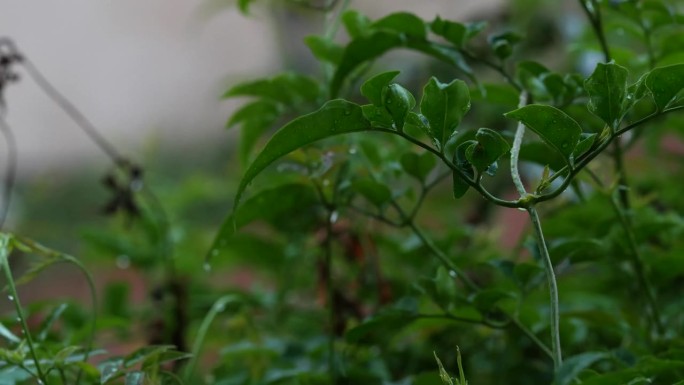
column 146, row 71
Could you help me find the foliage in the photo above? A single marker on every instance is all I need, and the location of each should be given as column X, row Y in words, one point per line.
column 371, row 221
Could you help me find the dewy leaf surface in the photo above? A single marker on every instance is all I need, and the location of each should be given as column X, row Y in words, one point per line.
column 607, row 88
column 334, row 118
column 665, row 83
column 372, row 88
column 444, row 106
column 553, row 126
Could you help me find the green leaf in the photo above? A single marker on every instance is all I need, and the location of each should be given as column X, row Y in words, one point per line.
column 378, row 116
column 355, row 23
column 586, row 142
column 50, row 320
column 454, row 33
column 135, row 378
column 418, row 166
column 402, row 22
column 459, row 186
column 574, row 365
column 255, row 118
column 665, row 83
column 444, row 106
column 446, row 378
column 489, row 148
column 334, row 118
column 553, row 126
column 485, row 300
column 373, row 88
column 502, row 44
column 399, row 102
column 287, row 88
column 8, row 335
column 265, row 205
column 607, row 88
column 324, row 49
column 363, row 48
column 377, row 193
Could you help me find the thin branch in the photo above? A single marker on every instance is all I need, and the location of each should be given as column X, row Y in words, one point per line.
column 10, row 170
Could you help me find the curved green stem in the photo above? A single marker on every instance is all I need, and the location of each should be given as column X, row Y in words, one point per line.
column 554, row 321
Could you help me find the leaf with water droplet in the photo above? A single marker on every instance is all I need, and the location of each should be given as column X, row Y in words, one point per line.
column 553, row 126
column 665, row 84
column 399, row 102
column 607, row 88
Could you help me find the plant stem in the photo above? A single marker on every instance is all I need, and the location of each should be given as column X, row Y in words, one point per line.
column 638, row 266
column 330, row 292
column 5, row 248
column 515, row 150
column 553, row 289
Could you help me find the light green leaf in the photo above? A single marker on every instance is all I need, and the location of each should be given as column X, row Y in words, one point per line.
column 553, row 126
column 665, row 83
column 334, row 118
column 287, row 88
column 607, row 88
column 444, row 106
column 355, row 23
column 453, row 32
column 324, row 49
column 489, row 148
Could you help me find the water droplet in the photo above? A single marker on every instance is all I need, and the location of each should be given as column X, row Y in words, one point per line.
column 10, row 297
column 214, row 253
column 220, row 307
column 564, row 145
column 207, row 267
column 347, row 112
column 352, row 151
column 452, row 274
column 326, row 182
column 123, row 261
column 18, row 319
column 334, row 216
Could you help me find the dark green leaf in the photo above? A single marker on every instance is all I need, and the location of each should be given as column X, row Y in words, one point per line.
column 444, row 106
column 665, row 83
column 265, row 205
column 334, row 118
column 553, row 126
column 489, row 148
column 379, row 116
column 574, row 365
column 324, row 49
column 8, row 335
column 402, row 22
column 135, row 378
column 459, row 186
column 373, row 88
column 485, row 300
column 377, row 193
column 607, row 88
column 389, row 322
column 363, row 48
column 502, row 44
column 399, row 102
column 418, row 166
